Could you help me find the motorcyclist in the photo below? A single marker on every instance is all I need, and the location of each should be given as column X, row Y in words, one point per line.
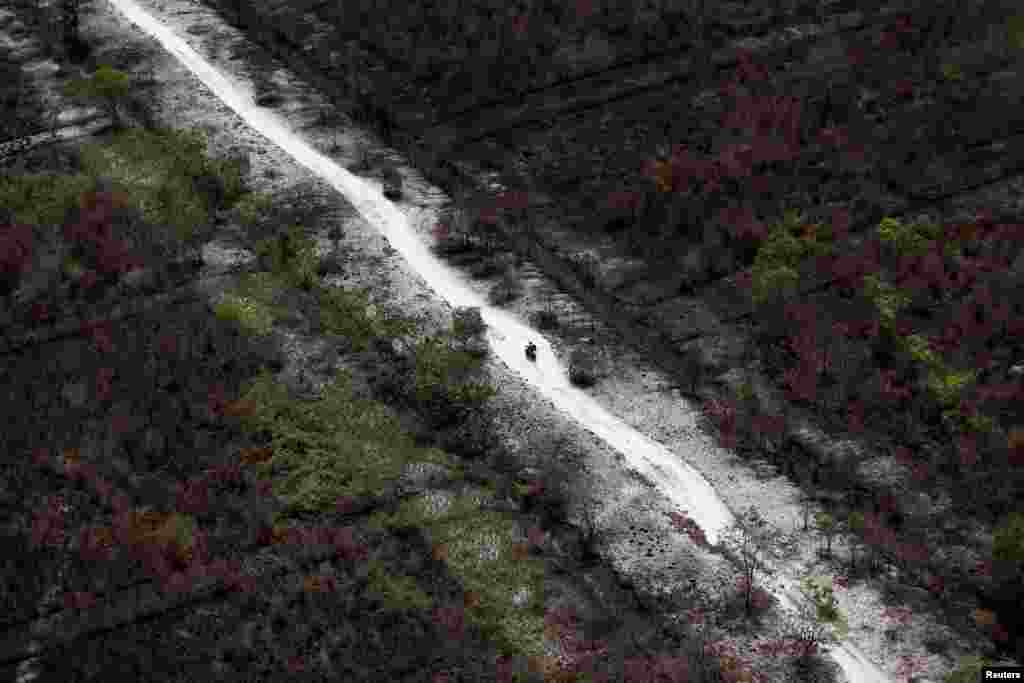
column 531, row 351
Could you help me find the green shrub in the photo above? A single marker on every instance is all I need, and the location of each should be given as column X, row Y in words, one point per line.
column 187, row 150
column 821, row 592
column 161, row 171
column 1015, row 32
column 338, row 445
column 969, row 670
column 775, row 271
column 773, row 283
column 463, row 528
column 250, row 314
column 952, row 72
column 72, row 268
column 348, row 312
column 914, row 239
column 1008, row 540
column 783, row 246
column 889, row 300
column 745, row 391
column 223, row 182
column 820, row 589
column 108, row 85
column 251, row 206
column 183, row 154
column 947, row 385
column 917, row 347
column 397, row 591
column 443, row 385
column 233, row 171
column 982, row 424
column 260, row 286
column 291, row 256
column 42, row 198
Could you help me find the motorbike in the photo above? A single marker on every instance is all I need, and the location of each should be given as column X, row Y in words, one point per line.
column 531, row 351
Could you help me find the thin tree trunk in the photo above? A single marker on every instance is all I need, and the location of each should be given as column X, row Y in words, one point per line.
column 69, row 24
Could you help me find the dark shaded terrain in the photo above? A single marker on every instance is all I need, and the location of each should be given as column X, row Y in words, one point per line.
column 930, row 153
column 927, row 100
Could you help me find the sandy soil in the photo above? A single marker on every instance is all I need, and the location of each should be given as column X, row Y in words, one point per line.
column 635, row 536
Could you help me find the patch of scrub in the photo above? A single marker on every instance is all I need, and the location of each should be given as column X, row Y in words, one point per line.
column 292, row 261
column 42, row 198
column 332, row 447
column 482, row 548
column 165, row 185
column 250, row 314
column 342, row 446
column 251, row 206
column 291, row 256
column 162, row 172
column 251, row 303
column 397, row 591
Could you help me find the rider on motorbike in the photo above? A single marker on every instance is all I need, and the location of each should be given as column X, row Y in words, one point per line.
column 531, row 351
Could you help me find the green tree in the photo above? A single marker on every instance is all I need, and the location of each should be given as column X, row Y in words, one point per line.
column 822, row 594
column 108, row 85
column 444, row 386
column 826, row 526
column 1008, row 540
column 819, row 623
column 291, row 256
column 250, row 314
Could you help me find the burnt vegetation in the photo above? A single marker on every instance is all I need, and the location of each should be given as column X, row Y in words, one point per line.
column 844, row 198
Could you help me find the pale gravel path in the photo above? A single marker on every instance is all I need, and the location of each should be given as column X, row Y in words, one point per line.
column 657, row 559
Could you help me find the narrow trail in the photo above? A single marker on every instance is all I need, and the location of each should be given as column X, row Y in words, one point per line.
column 681, row 484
